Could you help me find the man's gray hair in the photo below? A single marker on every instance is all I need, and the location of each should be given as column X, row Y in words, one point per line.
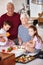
column 10, row 3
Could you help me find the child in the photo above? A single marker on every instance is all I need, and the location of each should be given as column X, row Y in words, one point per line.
column 4, row 34
column 35, row 44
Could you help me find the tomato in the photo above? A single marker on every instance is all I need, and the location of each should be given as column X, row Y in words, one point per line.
column 3, row 50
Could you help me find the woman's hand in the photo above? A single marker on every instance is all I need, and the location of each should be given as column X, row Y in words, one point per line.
column 19, row 41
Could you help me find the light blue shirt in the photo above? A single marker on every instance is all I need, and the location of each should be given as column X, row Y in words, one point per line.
column 23, row 34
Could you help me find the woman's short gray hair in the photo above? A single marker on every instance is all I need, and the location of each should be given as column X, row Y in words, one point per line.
column 23, row 15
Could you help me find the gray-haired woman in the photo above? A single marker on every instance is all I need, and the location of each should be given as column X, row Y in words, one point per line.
column 23, row 35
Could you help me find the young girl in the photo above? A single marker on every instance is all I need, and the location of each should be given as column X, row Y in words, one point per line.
column 4, row 34
column 35, row 44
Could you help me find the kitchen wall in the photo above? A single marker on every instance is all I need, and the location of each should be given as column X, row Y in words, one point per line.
column 3, row 4
column 34, row 9
column 19, row 4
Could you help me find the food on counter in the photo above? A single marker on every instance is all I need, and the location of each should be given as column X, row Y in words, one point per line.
column 21, row 59
column 7, row 34
column 24, row 59
column 14, row 48
column 9, row 49
column 3, row 50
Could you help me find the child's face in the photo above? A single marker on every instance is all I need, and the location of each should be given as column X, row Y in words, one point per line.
column 31, row 32
column 6, row 27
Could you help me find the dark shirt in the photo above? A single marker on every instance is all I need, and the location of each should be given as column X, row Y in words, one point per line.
column 15, row 22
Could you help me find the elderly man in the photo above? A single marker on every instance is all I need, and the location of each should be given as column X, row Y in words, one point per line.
column 14, row 18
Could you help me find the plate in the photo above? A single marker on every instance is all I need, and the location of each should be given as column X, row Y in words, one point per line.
column 24, row 59
column 2, row 43
column 18, row 52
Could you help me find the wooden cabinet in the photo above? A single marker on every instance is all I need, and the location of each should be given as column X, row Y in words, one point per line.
column 40, row 18
column 7, row 59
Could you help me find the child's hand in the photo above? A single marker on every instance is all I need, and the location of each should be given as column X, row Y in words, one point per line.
column 7, row 34
column 31, row 41
column 2, row 39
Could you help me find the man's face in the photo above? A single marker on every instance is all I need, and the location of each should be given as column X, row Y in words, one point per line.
column 10, row 8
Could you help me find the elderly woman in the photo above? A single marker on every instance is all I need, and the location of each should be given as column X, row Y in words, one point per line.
column 23, row 35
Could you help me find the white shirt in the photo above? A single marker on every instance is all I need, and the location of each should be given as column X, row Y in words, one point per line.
column 2, row 31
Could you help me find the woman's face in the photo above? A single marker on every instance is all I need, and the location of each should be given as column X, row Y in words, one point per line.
column 24, row 20
column 31, row 32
